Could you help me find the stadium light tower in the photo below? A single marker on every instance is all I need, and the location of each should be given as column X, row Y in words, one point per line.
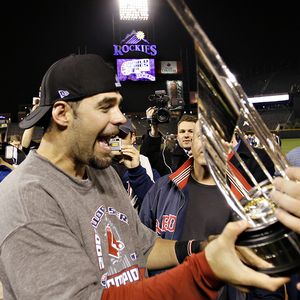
column 133, row 10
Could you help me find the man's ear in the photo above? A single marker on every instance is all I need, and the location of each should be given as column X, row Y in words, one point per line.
column 61, row 113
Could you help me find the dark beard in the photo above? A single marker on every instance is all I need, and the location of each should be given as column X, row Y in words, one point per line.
column 100, row 163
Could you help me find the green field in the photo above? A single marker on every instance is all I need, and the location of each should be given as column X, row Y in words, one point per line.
column 288, row 144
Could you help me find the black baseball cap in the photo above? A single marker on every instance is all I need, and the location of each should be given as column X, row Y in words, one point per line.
column 72, row 78
column 127, row 127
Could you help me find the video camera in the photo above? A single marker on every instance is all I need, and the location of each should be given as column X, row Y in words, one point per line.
column 162, row 102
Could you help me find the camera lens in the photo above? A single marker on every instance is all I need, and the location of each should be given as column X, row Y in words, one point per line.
column 163, row 115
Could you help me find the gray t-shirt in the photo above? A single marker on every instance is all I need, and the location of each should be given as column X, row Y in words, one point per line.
column 65, row 238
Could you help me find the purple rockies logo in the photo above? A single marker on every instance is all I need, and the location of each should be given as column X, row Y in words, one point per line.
column 135, row 42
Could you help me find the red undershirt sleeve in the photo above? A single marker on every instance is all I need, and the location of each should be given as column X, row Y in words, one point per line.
column 193, row 279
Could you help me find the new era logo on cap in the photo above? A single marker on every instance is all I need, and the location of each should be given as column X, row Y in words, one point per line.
column 117, row 83
column 63, row 93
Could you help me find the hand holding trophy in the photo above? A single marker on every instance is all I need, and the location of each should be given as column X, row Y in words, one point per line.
column 223, row 109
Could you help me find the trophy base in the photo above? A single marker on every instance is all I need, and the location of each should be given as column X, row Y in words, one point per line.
column 277, row 245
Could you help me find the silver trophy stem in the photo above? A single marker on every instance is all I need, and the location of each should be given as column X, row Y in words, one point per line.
column 256, row 157
column 254, row 181
column 238, row 185
column 217, row 164
column 222, row 104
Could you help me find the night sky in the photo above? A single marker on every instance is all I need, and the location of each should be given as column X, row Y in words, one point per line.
column 251, row 36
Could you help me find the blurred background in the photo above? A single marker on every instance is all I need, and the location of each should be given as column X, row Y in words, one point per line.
column 257, row 40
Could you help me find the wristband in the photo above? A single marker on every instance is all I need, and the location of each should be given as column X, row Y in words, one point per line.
column 197, row 246
column 186, row 248
column 189, row 247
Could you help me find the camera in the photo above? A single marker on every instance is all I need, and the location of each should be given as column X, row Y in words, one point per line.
column 162, row 100
column 35, row 100
column 11, row 152
column 115, row 144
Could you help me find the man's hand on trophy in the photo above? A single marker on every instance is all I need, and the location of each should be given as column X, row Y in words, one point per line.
column 248, row 257
column 286, row 196
column 224, row 261
column 204, row 243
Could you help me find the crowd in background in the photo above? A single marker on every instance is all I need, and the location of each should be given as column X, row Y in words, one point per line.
column 150, row 171
column 168, row 181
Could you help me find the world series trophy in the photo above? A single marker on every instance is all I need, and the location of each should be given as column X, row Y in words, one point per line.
column 223, row 109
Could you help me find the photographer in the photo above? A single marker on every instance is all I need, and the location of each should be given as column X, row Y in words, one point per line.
column 133, row 168
column 14, row 152
column 167, row 160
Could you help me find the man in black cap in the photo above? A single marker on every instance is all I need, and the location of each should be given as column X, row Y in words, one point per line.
column 133, row 168
column 67, row 228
